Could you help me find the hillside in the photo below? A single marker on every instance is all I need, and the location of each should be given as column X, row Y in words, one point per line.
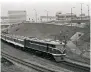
column 43, row 31
column 81, row 47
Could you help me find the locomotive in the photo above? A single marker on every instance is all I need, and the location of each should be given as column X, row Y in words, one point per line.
column 55, row 48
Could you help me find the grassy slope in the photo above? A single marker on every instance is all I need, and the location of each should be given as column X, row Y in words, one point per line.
column 44, row 30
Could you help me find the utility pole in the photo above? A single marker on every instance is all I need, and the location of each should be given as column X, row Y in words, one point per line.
column 47, row 15
column 81, row 10
column 88, row 11
column 71, row 15
column 35, row 15
column 29, row 19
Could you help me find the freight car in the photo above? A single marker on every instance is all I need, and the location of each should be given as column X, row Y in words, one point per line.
column 55, row 48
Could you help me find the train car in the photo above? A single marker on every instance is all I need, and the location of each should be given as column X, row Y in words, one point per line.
column 16, row 40
column 56, row 49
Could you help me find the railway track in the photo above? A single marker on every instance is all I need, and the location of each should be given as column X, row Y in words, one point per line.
column 37, row 67
column 43, row 69
column 27, row 64
column 77, row 66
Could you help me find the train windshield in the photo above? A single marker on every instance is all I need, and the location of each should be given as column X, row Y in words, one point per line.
column 60, row 47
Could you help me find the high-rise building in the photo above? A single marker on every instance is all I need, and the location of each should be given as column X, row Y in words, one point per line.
column 16, row 16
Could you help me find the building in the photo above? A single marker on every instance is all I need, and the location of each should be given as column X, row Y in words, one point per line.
column 82, row 18
column 4, row 20
column 16, row 16
column 65, row 17
column 47, row 18
column 68, row 17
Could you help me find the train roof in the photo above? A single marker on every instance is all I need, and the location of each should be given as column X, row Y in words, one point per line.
column 47, row 41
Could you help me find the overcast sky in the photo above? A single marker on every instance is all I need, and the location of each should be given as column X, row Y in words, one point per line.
column 52, row 6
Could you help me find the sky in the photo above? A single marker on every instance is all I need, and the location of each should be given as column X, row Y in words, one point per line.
column 52, row 6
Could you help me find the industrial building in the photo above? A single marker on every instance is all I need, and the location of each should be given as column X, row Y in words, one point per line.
column 16, row 16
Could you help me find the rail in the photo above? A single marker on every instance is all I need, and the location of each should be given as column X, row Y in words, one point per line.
column 27, row 64
column 44, row 69
column 76, row 64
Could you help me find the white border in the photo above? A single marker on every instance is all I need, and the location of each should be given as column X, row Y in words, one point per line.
column 35, row 1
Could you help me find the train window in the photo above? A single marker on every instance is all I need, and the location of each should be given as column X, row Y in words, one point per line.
column 58, row 52
column 50, row 50
column 54, row 51
column 53, row 46
column 59, row 47
column 38, row 43
column 50, row 45
column 42, row 43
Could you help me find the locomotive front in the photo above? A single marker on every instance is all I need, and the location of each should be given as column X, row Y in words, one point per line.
column 60, row 52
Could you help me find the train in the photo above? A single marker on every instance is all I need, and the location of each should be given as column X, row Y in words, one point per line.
column 55, row 48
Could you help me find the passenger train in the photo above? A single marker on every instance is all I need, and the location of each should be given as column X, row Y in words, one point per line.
column 55, row 48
